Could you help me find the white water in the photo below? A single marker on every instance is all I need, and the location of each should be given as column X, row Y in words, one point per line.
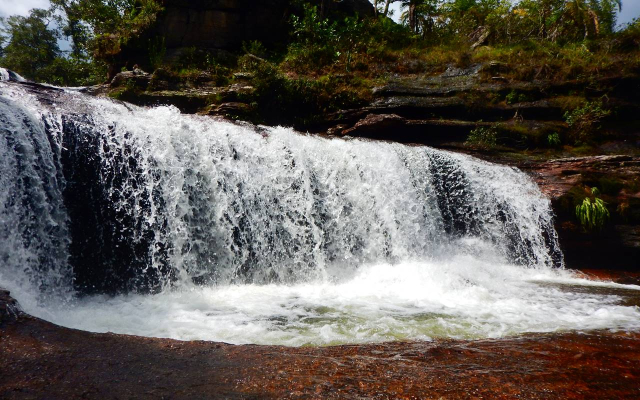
column 6, row 75
column 269, row 236
column 461, row 298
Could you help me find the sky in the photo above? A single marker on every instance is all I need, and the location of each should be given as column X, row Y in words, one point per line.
column 630, row 8
column 20, row 7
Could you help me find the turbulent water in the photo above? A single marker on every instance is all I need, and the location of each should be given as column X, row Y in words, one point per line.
column 146, row 221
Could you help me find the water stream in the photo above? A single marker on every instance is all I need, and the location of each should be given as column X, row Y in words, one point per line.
column 146, row 221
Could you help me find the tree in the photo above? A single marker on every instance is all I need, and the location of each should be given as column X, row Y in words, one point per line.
column 465, row 16
column 387, row 3
column 419, row 15
column 103, row 29
column 540, row 18
column 590, row 18
column 32, row 46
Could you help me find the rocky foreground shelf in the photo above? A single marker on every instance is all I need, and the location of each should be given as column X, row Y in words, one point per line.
column 42, row 360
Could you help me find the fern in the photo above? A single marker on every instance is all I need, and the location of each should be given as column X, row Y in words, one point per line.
column 593, row 215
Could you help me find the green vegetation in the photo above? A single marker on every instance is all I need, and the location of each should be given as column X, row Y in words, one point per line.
column 585, row 120
column 98, row 31
column 275, row 94
column 593, row 213
column 104, row 33
column 553, row 139
column 483, row 136
column 332, row 62
column 31, row 49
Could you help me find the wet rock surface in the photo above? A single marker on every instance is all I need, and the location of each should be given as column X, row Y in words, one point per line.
column 464, row 95
column 566, row 180
column 9, row 310
column 42, row 360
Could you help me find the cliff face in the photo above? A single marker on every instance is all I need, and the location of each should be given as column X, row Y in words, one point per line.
column 222, row 24
column 226, row 24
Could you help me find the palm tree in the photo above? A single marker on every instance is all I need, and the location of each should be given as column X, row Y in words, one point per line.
column 589, row 16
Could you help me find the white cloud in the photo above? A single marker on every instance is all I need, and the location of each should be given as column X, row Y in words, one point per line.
column 20, row 7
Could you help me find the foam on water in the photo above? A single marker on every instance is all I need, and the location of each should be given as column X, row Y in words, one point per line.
column 461, row 298
column 264, row 235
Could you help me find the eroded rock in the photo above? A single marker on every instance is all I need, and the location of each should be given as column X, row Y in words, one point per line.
column 42, row 360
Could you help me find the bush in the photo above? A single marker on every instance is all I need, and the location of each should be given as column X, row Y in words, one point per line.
column 553, row 139
column 629, row 38
column 584, row 121
column 515, row 97
column 483, row 136
column 315, row 40
column 282, row 100
column 350, row 43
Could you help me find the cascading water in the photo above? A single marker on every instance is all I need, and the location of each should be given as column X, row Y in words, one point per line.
column 146, row 221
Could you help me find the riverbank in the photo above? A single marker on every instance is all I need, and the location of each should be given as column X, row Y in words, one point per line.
column 43, row 360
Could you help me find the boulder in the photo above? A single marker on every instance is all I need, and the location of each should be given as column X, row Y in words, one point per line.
column 9, row 309
column 233, row 110
column 375, row 123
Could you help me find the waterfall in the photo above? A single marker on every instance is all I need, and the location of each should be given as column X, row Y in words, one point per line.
column 8, row 75
column 155, row 198
column 34, row 239
column 200, row 228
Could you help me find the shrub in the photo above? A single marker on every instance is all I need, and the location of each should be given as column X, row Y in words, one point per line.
column 483, row 136
column 515, row 97
column 315, row 40
column 283, row 100
column 255, row 47
column 553, row 139
column 585, row 120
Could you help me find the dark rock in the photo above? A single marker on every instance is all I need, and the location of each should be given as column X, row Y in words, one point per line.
column 618, row 246
column 398, row 129
column 375, row 123
column 134, row 79
column 496, row 67
column 337, row 130
column 420, row 107
column 629, row 235
column 226, row 24
column 8, row 75
column 234, row 110
column 243, row 75
column 453, row 71
column 9, row 309
column 541, row 110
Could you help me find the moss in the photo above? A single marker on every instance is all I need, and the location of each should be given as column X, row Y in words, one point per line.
column 125, row 94
column 529, row 134
column 301, row 100
column 610, row 185
column 569, row 102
